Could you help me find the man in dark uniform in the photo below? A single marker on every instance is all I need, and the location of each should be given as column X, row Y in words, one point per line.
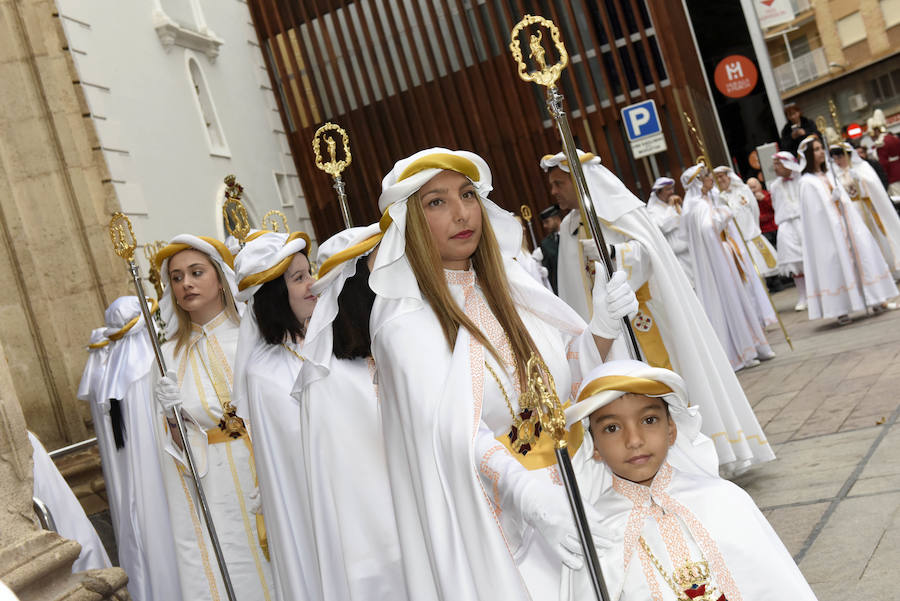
column 551, row 217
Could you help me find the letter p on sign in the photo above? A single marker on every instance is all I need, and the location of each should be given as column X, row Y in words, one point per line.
column 641, row 120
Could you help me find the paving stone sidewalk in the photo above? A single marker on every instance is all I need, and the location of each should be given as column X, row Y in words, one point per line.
column 830, row 411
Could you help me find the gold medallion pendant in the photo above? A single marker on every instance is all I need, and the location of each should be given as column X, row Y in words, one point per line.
column 230, row 423
column 525, row 431
column 693, row 579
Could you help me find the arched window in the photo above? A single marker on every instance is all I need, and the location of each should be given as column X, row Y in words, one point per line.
column 214, row 134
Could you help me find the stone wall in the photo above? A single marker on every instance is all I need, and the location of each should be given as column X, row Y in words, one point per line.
column 57, row 269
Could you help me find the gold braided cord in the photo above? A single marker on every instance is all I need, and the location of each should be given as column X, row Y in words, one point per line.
column 276, row 270
column 175, row 248
column 293, row 352
column 509, row 406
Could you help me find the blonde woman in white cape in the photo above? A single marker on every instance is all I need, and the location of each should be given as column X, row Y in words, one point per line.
column 354, row 531
column 202, row 321
column 273, row 277
column 481, row 513
column 838, row 248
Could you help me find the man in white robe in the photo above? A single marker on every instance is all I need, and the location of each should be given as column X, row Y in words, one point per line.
column 723, row 273
column 665, row 209
column 671, row 325
column 685, row 515
column 742, row 202
column 785, row 191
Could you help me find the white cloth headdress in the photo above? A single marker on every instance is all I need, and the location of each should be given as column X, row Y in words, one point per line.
column 95, row 368
column 788, row 160
column 214, row 249
column 318, row 345
column 617, row 199
column 265, row 256
column 692, row 182
column 801, row 150
column 130, row 350
column 662, row 182
column 392, row 277
column 732, row 176
column 692, row 451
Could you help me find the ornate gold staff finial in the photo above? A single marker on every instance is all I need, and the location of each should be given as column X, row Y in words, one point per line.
column 541, row 398
column 270, row 221
column 122, row 236
column 335, row 166
column 233, row 211
column 151, row 249
column 546, row 76
column 832, row 108
column 525, row 211
column 703, row 157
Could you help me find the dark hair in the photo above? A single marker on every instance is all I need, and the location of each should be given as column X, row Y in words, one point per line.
column 351, row 325
column 273, row 313
column 810, row 155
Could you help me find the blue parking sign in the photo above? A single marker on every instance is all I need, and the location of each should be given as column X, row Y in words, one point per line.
column 641, row 120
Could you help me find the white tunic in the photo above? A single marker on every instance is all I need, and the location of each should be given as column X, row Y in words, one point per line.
column 832, row 283
column 686, row 517
column 786, row 204
column 205, row 375
column 573, row 281
column 743, row 205
column 341, row 449
column 68, row 515
column 444, row 419
column 273, row 419
column 871, row 201
column 723, row 280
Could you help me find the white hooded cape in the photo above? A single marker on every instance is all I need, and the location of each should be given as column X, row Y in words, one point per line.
column 445, row 491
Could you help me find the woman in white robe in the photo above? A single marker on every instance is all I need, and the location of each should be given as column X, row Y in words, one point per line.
column 722, row 273
column 871, row 200
column 479, row 503
column 272, row 272
column 354, row 531
column 199, row 309
column 785, row 192
column 838, row 247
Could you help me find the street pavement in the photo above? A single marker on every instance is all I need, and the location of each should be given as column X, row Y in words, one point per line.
column 830, row 411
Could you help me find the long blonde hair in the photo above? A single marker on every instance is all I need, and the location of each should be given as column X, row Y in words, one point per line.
column 183, row 334
column 487, row 262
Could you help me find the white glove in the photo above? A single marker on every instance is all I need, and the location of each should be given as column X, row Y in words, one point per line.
column 613, row 300
column 836, row 194
column 168, row 393
column 537, row 254
column 589, row 248
column 546, row 509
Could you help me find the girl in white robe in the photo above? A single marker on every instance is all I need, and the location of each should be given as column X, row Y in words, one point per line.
column 871, row 200
column 685, row 514
column 354, row 530
column 479, row 503
column 203, row 321
column 785, row 192
column 838, row 248
column 272, row 272
column 723, row 273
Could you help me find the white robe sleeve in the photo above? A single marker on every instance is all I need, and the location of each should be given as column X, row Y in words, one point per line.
column 634, row 260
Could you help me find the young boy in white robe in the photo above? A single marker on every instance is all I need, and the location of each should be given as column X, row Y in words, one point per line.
column 678, row 531
column 785, row 192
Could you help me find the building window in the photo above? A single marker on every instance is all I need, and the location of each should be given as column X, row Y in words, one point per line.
column 207, row 109
column 851, row 29
column 288, row 188
column 890, row 10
